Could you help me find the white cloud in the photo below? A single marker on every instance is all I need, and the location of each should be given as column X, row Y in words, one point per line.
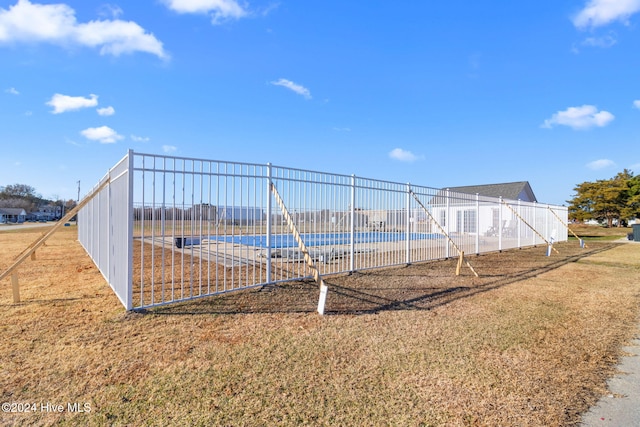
column 102, row 134
column 265, row 11
column 601, row 164
column 597, row 13
column 636, row 103
column 27, row 22
column 72, row 142
column 106, row 111
column 139, row 138
column 12, row 91
column 604, row 42
column 62, row 103
column 583, row 117
column 110, row 10
column 219, row 10
column 169, row 148
column 300, row 90
column 403, row 155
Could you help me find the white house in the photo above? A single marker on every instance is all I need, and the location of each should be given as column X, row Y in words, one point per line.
column 462, row 213
column 17, row 215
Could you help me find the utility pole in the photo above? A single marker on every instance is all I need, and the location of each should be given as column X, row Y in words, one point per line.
column 78, row 201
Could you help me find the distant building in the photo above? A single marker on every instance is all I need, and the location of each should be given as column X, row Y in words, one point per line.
column 460, row 211
column 239, row 215
column 46, row 213
column 16, row 215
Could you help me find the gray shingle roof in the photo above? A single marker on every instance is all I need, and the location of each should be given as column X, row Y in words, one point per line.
column 12, row 211
column 511, row 190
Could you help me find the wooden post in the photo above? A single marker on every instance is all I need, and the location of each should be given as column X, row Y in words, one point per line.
column 41, row 241
column 442, row 230
column 460, row 260
column 303, row 248
column 527, row 224
column 15, row 287
column 33, row 256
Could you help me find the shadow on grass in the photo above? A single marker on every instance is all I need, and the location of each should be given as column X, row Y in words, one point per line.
column 416, row 287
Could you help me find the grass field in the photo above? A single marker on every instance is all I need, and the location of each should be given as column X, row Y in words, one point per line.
column 596, row 232
column 530, row 342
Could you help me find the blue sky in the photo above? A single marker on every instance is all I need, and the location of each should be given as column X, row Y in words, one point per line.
column 433, row 93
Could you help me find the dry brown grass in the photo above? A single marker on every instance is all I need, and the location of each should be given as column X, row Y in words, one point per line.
column 529, row 343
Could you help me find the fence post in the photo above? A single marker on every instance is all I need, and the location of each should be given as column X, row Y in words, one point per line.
column 129, row 302
column 110, row 226
column 519, row 224
column 269, row 219
column 500, row 225
column 446, row 223
column 535, row 215
column 408, row 226
column 477, row 224
column 352, row 229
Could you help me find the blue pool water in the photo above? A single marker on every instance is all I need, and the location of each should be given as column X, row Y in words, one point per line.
column 321, row 239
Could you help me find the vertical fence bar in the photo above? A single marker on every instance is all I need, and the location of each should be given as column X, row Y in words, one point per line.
column 519, row 224
column 173, row 229
column 477, row 223
column 269, row 279
column 408, row 225
column 129, row 256
column 142, row 236
column 209, row 236
column 447, row 221
column 153, row 230
column 352, row 230
column 162, row 224
column 534, row 217
column 500, row 225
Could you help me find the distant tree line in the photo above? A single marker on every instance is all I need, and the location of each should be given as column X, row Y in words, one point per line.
column 612, row 201
column 25, row 197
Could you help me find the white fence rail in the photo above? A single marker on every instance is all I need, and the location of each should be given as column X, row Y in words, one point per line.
column 170, row 229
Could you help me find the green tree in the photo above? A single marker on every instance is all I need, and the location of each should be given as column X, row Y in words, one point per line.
column 607, row 200
column 632, row 207
column 19, row 191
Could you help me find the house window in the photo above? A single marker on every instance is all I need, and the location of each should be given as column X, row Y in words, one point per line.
column 496, row 219
column 466, row 221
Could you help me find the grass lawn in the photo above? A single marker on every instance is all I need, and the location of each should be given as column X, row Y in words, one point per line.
column 530, row 342
column 597, row 232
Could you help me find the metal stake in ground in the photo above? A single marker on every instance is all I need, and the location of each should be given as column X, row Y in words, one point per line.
column 582, row 243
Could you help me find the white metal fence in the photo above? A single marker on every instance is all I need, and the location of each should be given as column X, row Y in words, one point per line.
column 104, row 229
column 170, row 229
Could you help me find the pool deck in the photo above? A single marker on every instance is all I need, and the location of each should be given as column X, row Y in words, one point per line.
column 230, row 253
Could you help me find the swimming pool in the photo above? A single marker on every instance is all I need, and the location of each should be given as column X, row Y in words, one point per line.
column 310, row 239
